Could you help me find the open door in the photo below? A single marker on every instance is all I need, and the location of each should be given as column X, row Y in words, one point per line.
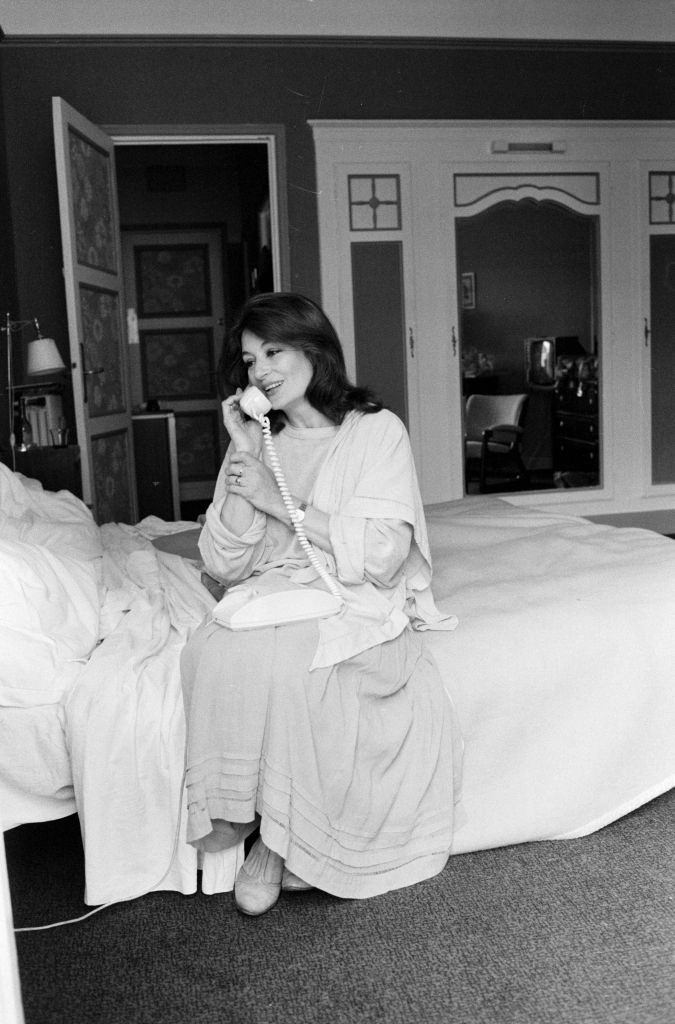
column 92, row 267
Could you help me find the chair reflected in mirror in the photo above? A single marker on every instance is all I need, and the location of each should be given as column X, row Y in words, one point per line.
column 493, row 426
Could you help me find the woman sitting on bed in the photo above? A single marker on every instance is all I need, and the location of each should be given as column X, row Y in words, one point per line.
column 333, row 736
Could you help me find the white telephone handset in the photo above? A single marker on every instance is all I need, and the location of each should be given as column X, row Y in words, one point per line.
column 254, row 403
column 256, row 604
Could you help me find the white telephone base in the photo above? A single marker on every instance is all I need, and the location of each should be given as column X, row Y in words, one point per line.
column 252, row 608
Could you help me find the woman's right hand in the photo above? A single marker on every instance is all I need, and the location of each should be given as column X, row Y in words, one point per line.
column 245, row 433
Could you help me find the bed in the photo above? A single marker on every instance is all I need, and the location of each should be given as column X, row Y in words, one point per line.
column 561, row 671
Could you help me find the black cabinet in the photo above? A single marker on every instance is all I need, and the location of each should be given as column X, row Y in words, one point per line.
column 57, row 469
column 156, row 465
column 576, row 429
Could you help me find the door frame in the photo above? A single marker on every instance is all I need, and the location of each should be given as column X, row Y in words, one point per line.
column 272, row 136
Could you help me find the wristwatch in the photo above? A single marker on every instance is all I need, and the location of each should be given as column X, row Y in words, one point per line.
column 299, row 512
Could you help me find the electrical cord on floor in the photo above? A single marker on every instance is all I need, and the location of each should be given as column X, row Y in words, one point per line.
column 126, row 899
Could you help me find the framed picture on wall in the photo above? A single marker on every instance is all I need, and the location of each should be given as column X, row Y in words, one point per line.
column 468, row 290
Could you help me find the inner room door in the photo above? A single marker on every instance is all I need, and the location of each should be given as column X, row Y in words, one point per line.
column 92, row 267
column 176, row 323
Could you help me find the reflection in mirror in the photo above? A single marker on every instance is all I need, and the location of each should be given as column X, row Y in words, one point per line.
column 528, row 271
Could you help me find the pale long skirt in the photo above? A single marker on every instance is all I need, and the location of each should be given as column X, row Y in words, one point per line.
column 352, row 772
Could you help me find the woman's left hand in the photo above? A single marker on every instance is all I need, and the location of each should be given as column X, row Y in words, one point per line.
column 250, row 478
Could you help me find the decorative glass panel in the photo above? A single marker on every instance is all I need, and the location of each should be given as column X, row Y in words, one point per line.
column 93, row 204
column 102, row 344
column 374, row 202
column 178, row 364
column 172, row 280
column 662, row 197
column 197, row 444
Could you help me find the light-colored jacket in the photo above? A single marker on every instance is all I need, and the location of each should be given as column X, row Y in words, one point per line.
column 368, row 473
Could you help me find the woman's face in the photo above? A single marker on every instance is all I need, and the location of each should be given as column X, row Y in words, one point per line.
column 282, row 372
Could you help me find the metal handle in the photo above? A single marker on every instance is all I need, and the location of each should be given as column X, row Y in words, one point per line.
column 87, row 373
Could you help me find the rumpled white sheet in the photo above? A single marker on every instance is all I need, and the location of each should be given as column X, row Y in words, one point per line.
column 562, row 668
column 125, row 727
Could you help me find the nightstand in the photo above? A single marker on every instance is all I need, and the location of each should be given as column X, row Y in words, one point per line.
column 156, row 459
column 57, row 469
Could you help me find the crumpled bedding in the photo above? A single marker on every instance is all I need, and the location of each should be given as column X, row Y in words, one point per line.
column 49, row 599
column 120, row 719
column 125, row 726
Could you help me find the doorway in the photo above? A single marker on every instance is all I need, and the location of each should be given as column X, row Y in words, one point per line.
column 197, row 242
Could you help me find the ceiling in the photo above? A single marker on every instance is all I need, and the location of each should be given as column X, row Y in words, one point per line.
column 604, row 20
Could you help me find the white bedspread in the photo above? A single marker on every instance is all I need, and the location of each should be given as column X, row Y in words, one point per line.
column 562, row 668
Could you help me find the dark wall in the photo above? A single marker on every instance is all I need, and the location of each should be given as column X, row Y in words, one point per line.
column 287, row 82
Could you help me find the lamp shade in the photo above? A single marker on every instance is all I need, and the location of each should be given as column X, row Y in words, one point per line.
column 43, row 358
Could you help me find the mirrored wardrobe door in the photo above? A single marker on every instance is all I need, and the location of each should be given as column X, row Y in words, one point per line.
column 528, row 285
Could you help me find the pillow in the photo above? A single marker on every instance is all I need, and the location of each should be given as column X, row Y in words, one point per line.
column 49, row 618
column 59, row 521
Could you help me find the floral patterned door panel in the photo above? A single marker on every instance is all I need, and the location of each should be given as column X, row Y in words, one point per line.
column 93, row 279
column 173, row 284
column 102, row 344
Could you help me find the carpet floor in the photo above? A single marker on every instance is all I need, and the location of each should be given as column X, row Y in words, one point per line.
column 573, row 932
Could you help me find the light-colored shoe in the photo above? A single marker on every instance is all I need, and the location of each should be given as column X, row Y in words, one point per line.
column 291, row 882
column 258, row 882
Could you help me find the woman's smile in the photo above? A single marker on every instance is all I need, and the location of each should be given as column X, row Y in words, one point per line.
column 270, row 388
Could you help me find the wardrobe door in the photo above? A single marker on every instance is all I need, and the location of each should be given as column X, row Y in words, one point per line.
column 527, row 243
column 382, row 284
column 368, row 289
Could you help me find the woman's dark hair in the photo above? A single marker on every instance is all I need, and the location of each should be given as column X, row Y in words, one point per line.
column 290, row 319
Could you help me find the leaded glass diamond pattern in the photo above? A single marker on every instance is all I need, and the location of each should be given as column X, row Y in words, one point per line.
column 662, row 197
column 374, row 202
